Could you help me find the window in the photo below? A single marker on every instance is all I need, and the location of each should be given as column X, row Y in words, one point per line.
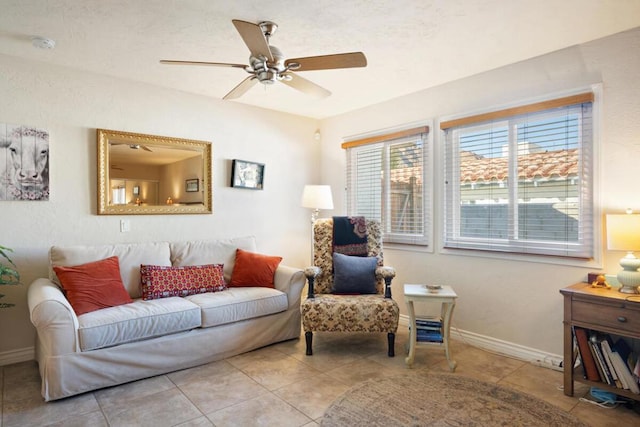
column 521, row 180
column 119, row 195
column 386, row 180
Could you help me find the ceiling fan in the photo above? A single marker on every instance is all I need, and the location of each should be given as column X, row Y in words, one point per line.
column 133, row 146
column 267, row 64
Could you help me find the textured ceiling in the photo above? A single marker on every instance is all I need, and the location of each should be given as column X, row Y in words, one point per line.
column 410, row 44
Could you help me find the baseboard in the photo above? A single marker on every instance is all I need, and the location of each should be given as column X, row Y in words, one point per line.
column 520, row 352
column 506, row 348
column 17, row 356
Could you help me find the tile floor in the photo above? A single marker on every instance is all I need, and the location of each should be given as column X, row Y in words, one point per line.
column 276, row 386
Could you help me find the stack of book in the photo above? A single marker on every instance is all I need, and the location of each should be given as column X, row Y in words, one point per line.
column 607, row 361
column 428, row 330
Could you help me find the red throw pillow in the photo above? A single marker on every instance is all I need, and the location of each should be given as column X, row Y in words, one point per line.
column 163, row 282
column 253, row 269
column 92, row 286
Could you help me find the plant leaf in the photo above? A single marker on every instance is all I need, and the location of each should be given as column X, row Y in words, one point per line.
column 4, row 255
column 9, row 276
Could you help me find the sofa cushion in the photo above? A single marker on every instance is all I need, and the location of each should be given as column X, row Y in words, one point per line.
column 252, row 269
column 222, row 251
column 94, row 285
column 130, row 257
column 236, row 304
column 163, row 282
column 136, row 321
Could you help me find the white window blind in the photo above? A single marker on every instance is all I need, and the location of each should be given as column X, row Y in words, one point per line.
column 522, row 183
column 386, row 180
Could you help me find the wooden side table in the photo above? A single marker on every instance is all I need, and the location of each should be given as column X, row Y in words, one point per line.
column 603, row 310
column 446, row 296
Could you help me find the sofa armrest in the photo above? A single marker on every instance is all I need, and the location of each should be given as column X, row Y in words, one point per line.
column 290, row 281
column 53, row 318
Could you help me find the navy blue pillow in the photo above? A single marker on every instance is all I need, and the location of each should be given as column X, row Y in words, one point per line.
column 354, row 274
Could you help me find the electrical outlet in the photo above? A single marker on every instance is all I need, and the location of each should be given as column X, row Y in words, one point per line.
column 125, row 226
column 549, row 363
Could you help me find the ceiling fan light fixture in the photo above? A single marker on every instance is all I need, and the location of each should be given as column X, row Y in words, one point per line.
column 267, row 77
column 257, row 64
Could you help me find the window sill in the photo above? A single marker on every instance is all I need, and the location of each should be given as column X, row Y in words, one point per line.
column 541, row 259
column 407, row 247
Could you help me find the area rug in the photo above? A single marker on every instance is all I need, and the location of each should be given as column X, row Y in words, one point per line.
column 441, row 400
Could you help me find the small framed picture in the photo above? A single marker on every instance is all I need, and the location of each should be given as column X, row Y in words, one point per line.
column 191, row 185
column 136, row 190
column 246, row 174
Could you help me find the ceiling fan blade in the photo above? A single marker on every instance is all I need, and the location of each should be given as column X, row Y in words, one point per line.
column 242, row 87
column 214, row 64
column 254, row 38
column 144, row 147
column 328, row 62
column 306, row 86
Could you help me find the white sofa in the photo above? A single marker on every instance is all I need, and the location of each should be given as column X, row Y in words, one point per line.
column 119, row 344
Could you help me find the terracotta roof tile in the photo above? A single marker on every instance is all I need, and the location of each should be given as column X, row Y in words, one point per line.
column 545, row 165
column 549, row 164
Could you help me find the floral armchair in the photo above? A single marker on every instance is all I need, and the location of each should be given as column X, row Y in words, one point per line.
column 324, row 310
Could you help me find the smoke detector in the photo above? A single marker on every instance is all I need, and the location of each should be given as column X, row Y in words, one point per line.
column 43, row 42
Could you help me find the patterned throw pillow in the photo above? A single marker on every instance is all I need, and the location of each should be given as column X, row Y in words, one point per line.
column 163, row 282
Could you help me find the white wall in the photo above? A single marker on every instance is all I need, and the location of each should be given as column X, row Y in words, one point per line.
column 72, row 104
column 515, row 301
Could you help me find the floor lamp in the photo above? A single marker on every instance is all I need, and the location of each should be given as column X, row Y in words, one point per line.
column 316, row 197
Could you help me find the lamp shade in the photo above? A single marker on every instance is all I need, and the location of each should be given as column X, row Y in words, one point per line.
column 317, row 197
column 623, row 232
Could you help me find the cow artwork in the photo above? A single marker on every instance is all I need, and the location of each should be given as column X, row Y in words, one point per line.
column 24, row 163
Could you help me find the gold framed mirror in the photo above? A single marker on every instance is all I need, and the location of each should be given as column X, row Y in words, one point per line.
column 146, row 174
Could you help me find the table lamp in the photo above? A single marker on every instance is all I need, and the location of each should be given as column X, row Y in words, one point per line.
column 316, row 197
column 623, row 234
